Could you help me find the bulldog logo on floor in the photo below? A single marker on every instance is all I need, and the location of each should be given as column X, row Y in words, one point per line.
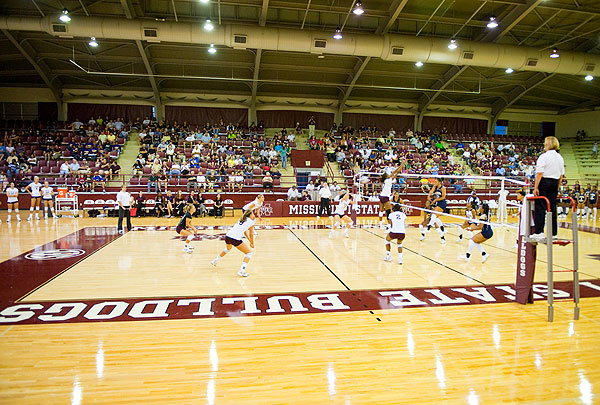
column 55, row 254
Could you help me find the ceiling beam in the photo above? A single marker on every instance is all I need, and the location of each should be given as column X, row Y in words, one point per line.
column 361, row 64
column 510, row 20
column 515, row 94
column 394, row 11
column 130, row 14
column 257, row 58
column 590, row 104
column 263, row 13
column 41, row 68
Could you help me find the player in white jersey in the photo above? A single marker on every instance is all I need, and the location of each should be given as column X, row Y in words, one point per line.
column 34, row 189
column 387, row 181
column 340, row 214
column 234, row 238
column 12, row 199
column 47, row 193
column 255, row 207
column 471, row 212
column 397, row 232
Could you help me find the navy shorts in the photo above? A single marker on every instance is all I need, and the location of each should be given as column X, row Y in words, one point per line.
column 441, row 204
column 487, row 233
column 383, row 199
column 179, row 229
column 231, row 241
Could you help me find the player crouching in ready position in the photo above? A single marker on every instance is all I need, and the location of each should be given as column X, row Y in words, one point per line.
column 185, row 228
column 485, row 234
column 397, row 232
column 234, row 238
column 341, row 216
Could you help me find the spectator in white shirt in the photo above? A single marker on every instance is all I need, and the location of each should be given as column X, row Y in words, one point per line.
column 64, row 169
column 291, row 137
column 293, row 193
column 124, row 200
column 549, row 172
column 77, row 124
column 325, row 204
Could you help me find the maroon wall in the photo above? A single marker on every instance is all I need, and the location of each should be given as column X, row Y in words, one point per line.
column 315, row 158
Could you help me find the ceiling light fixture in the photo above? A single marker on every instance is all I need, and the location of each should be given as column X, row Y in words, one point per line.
column 589, row 78
column 554, row 53
column 93, row 42
column 418, row 64
column 338, row 33
column 208, row 26
column 509, row 70
column 358, row 8
column 204, row 1
column 493, row 23
column 452, row 44
column 212, row 49
column 64, row 17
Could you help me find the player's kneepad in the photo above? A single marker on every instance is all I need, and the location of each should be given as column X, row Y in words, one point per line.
column 387, row 243
column 399, row 245
column 248, row 255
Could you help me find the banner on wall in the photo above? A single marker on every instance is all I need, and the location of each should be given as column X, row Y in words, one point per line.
column 311, row 208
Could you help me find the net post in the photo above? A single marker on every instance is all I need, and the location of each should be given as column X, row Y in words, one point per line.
column 549, row 259
column 575, row 265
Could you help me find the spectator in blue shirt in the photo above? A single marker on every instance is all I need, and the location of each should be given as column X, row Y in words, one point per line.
column 500, row 171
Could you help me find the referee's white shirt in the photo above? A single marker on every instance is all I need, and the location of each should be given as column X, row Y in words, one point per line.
column 551, row 164
column 124, row 198
column 324, row 192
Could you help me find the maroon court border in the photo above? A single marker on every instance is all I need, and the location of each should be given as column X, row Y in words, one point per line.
column 29, row 271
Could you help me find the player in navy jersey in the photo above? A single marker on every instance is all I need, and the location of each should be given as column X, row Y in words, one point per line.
column 437, row 202
column 581, row 199
column 185, row 228
column 592, row 202
column 485, row 234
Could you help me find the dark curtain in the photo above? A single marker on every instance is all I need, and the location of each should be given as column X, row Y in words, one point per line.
column 47, row 111
column 456, row 125
column 288, row 118
column 548, row 129
column 202, row 115
column 382, row 121
column 129, row 112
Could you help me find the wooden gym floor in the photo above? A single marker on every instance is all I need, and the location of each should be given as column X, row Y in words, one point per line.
column 362, row 331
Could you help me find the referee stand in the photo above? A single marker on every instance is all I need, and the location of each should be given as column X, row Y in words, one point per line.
column 528, row 252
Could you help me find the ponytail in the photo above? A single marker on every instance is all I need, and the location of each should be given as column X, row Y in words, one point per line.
column 188, row 207
column 245, row 216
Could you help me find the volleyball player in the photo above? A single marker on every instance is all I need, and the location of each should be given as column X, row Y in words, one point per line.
column 397, row 232
column 387, row 181
column 437, row 199
column 485, row 234
column 581, row 200
column 255, row 206
column 47, row 193
column 12, row 200
column 234, row 238
column 340, row 214
column 470, row 213
column 34, row 190
column 185, row 228
column 592, row 201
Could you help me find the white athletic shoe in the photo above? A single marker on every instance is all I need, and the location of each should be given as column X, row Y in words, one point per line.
column 400, row 262
column 387, row 258
column 485, row 257
column 331, row 234
column 37, row 218
column 459, row 239
column 538, row 236
column 214, row 262
column 422, row 237
column 187, row 250
column 8, row 219
column 516, row 246
column 45, row 217
column 242, row 273
column 465, row 258
column 318, row 217
column 346, row 234
column 443, row 241
column 18, row 219
column 29, row 218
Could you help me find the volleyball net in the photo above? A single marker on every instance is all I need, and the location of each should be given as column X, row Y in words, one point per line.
column 500, row 193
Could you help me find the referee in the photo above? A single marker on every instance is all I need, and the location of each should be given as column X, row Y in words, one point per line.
column 325, row 195
column 124, row 201
column 549, row 172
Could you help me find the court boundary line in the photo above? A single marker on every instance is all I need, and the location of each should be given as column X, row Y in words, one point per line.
column 71, row 266
column 319, row 259
column 430, row 259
